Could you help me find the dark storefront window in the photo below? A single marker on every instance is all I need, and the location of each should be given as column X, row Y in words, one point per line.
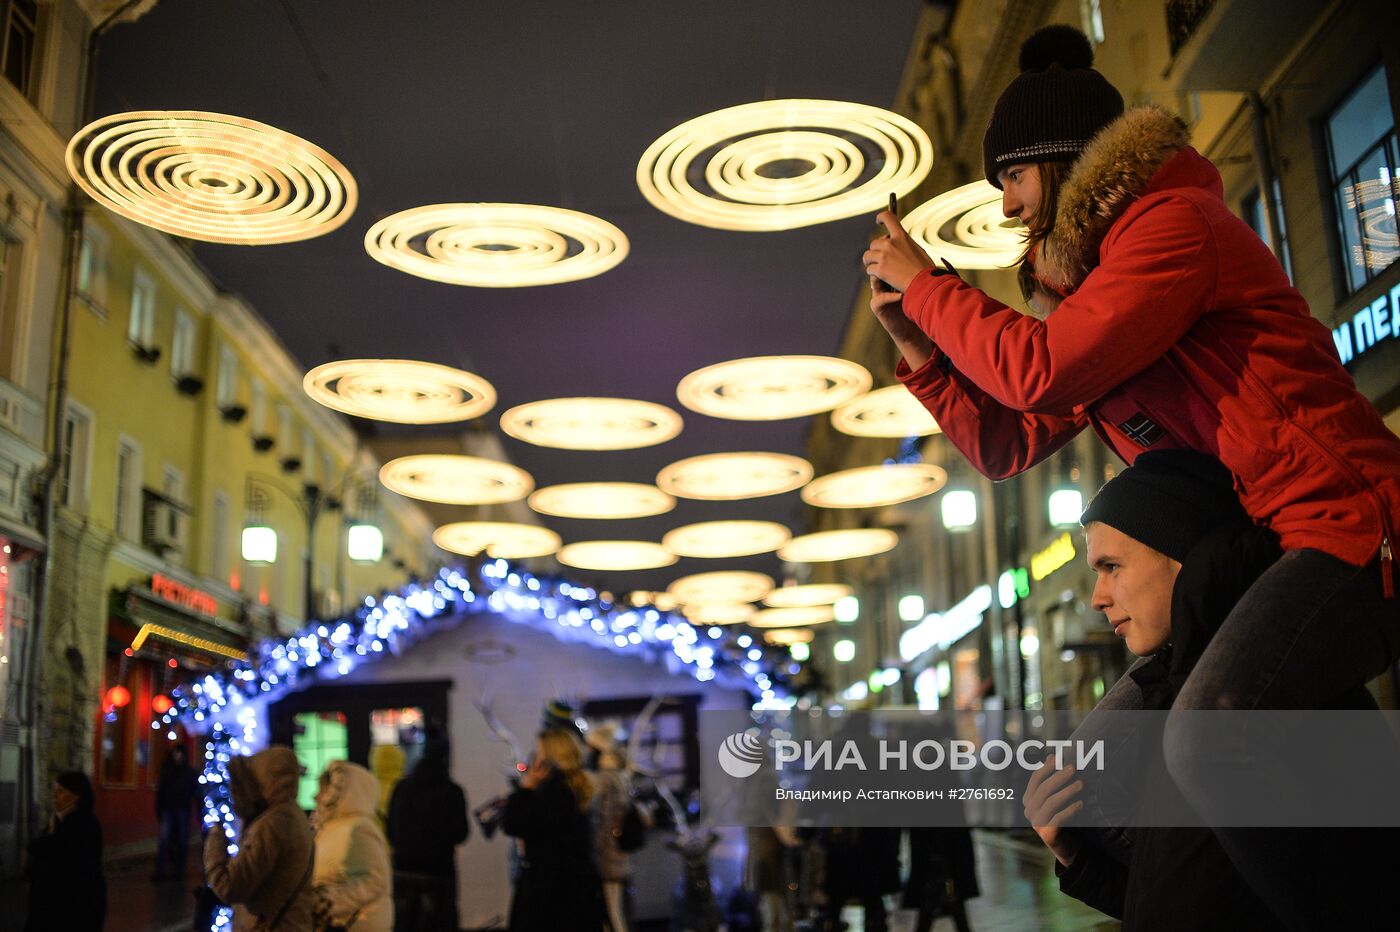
column 118, row 732
column 1362, row 149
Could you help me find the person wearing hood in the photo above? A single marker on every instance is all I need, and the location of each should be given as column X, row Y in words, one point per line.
column 610, row 807
column 67, row 891
column 1175, row 328
column 427, row 821
column 352, row 877
column 268, row 882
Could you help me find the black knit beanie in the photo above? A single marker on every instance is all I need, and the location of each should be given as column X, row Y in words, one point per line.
column 1053, row 108
column 1168, row 500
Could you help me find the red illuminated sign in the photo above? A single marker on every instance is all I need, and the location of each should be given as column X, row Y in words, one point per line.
column 184, row 596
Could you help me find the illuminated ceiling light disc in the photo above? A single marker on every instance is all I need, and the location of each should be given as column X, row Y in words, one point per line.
column 793, row 617
column 720, row 477
column 808, row 595
column 783, row 164
column 638, row 598
column 403, row 391
column 454, row 479
column 616, row 555
column 827, row 546
column 785, row 637
column 726, row 586
column 886, row 412
column 772, row 388
column 719, row 613
column 716, row 539
column 966, row 227
column 592, row 423
column 496, row 245
column 601, row 500
column 875, row 486
column 211, row 177
column 499, row 539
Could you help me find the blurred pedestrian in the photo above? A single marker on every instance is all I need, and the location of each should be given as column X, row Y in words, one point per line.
column 176, row 792
column 268, row 882
column 352, row 877
column 614, row 823
column 67, row 891
column 427, row 820
column 559, row 886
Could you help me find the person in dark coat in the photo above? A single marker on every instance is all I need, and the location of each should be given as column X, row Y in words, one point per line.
column 67, row 891
column 426, row 822
column 942, row 875
column 559, row 886
column 175, row 797
column 1173, row 551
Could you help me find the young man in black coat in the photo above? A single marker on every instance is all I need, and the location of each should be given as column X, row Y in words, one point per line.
column 427, row 820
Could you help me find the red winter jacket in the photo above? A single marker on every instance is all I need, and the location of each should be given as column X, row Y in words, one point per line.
column 1179, row 329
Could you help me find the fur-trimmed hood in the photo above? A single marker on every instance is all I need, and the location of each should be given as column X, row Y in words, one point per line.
column 1108, row 176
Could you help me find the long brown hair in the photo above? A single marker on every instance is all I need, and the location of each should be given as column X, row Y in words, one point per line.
column 562, row 751
column 1042, row 220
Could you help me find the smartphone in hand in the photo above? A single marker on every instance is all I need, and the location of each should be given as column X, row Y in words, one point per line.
column 879, row 284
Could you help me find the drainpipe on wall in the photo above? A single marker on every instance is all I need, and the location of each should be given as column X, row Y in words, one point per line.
column 1264, row 165
column 58, row 400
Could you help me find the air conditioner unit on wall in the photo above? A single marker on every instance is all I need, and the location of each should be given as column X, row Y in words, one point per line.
column 163, row 523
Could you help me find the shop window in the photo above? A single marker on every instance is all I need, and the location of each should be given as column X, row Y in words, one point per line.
column 118, row 744
column 1363, row 156
column 318, row 739
column 1253, row 209
column 20, row 43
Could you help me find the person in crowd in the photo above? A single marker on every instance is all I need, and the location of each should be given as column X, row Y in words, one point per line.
column 611, row 803
column 1176, row 328
column 1173, row 552
column 352, row 878
column 268, row 882
column 559, row 886
column 426, row 822
column 176, row 792
column 942, row 875
column 67, row 890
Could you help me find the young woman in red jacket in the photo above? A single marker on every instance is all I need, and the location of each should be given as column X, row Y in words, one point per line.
column 1175, row 327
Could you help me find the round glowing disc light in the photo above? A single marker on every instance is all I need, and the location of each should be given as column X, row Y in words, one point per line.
column 772, row 388
column 722, row 477
column 456, row 480
column 615, row 555
column 496, row 245
column 592, row 423
column 783, row 637
column 499, row 539
column 886, row 412
column 716, row 539
column 403, row 391
column 808, row 595
column 783, row 164
column 966, row 227
column 726, row 586
column 828, row 546
column 875, row 486
column 601, row 500
column 211, row 177
column 723, row 613
column 793, row 617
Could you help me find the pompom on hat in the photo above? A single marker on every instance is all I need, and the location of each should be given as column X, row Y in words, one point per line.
column 1053, row 108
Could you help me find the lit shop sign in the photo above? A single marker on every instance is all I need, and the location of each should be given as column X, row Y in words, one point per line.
column 1373, row 324
column 1053, row 557
column 195, row 600
column 942, row 630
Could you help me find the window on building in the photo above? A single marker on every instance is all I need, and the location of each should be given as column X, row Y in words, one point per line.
column 92, row 267
column 1253, row 210
column 284, row 430
column 1091, row 17
column 73, row 468
column 20, row 43
column 309, row 458
column 1362, row 149
column 259, row 417
column 141, row 328
column 182, row 346
column 126, row 520
column 219, row 543
column 10, row 309
column 228, row 377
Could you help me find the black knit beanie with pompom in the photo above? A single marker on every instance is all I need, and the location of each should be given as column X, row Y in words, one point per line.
column 1053, row 108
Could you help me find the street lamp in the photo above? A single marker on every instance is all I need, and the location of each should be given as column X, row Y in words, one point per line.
column 846, row 609
column 1066, row 505
column 911, row 608
column 260, row 540
column 959, row 507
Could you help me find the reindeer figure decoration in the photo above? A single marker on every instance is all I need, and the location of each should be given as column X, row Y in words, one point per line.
column 489, row 814
column 695, row 900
